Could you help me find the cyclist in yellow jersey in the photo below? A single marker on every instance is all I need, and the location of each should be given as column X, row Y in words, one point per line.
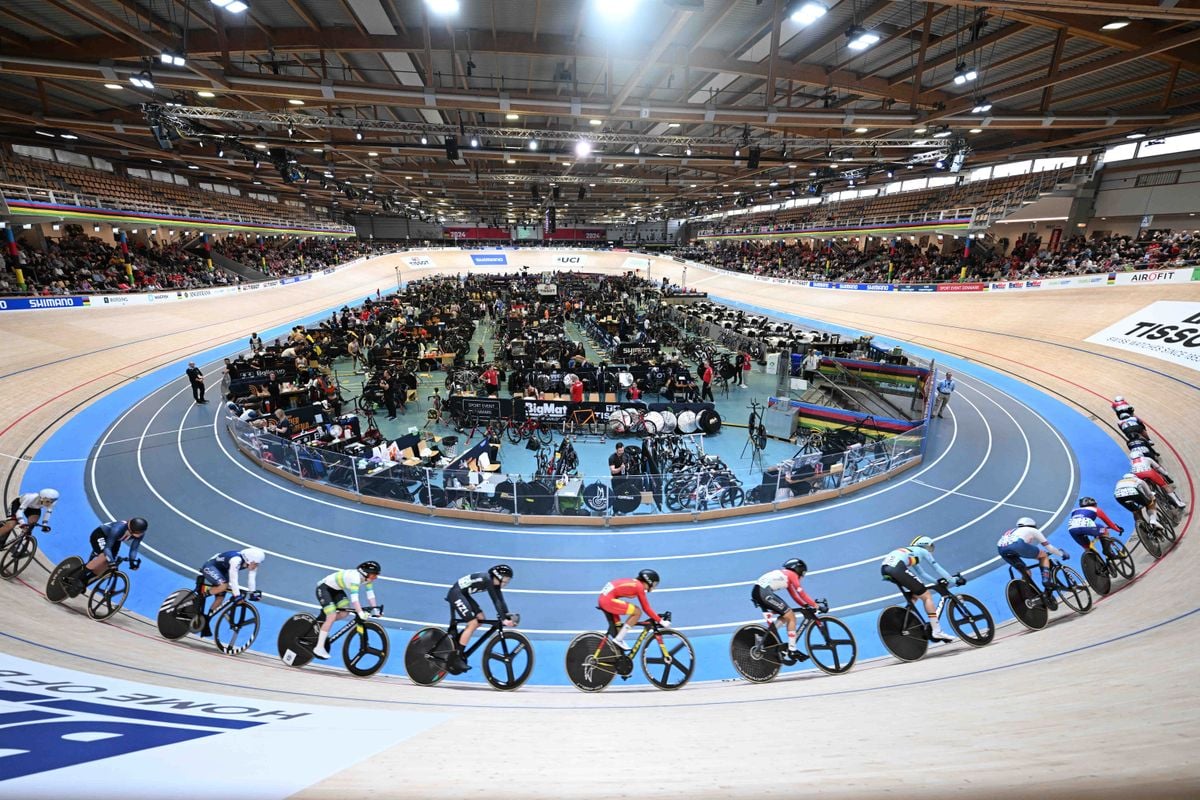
column 339, row 591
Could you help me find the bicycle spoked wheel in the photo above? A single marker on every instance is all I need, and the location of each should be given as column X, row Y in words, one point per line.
column 236, row 628
column 1120, row 560
column 366, row 648
column 755, row 651
column 108, row 595
column 17, row 556
column 831, row 645
column 902, row 633
column 1027, row 604
column 1071, row 589
column 1095, row 571
column 732, row 497
column 176, row 613
column 668, row 665
column 1152, row 539
column 507, row 660
column 970, row 619
column 591, row 661
column 427, row 654
column 544, row 434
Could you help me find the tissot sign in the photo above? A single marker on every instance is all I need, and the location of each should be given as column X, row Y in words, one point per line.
column 1168, row 330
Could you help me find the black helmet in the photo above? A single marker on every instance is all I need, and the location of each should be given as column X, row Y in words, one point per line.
column 648, row 577
column 1087, row 501
column 138, row 525
column 370, row 568
column 797, row 566
column 501, row 572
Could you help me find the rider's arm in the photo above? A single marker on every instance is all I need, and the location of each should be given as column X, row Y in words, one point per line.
column 27, row 501
column 645, row 601
column 497, row 599
column 928, row 559
column 1106, row 520
column 369, row 588
column 135, row 544
column 235, row 565
column 1041, row 540
column 796, row 590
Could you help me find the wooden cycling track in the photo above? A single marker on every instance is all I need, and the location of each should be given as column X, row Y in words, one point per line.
column 1100, row 706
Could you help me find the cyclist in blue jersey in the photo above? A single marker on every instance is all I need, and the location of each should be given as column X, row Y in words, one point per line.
column 220, row 574
column 1023, row 542
column 1088, row 521
column 899, row 566
column 464, row 608
column 339, row 591
column 106, row 542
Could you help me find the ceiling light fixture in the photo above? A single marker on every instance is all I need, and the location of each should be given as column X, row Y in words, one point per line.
column 142, row 80
column 860, row 39
column 510, row 116
column 806, row 12
column 1135, row 135
column 358, row 133
column 583, row 149
column 982, row 106
column 232, row 6
column 1115, row 25
column 424, row 140
column 296, row 102
column 976, row 130
column 615, row 10
column 206, row 95
column 964, row 74
column 113, row 86
column 533, row 145
column 474, row 142
column 595, row 122
column 443, row 6
column 942, row 134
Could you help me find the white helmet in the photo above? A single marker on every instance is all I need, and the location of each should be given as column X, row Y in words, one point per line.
column 1026, row 522
column 48, row 495
column 253, row 555
column 1118, row 399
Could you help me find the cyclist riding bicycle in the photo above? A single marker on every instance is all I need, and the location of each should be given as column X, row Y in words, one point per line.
column 220, row 574
column 463, row 607
column 338, row 591
column 764, row 596
column 106, row 542
column 1131, row 426
column 29, row 509
column 1143, row 444
column 615, row 608
column 1136, row 497
column 1149, row 470
column 1083, row 526
column 1018, row 543
column 1121, row 407
column 898, row 567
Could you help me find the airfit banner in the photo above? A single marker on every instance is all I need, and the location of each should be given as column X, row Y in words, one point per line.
column 1167, row 329
column 61, row 730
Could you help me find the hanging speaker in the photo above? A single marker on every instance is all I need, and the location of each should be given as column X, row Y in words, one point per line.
column 582, row 192
column 554, row 192
column 452, row 148
column 755, row 154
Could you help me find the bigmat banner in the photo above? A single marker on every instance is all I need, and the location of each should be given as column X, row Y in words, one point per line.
column 1166, row 329
column 61, row 730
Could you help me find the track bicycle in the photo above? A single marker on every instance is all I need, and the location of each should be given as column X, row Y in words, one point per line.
column 234, row 625
column 106, row 592
column 518, row 432
column 583, row 422
column 668, row 659
column 1159, row 538
column 1032, row 605
column 1110, row 560
column 507, row 654
column 696, row 491
column 906, row 635
column 18, row 553
column 759, row 652
column 365, row 650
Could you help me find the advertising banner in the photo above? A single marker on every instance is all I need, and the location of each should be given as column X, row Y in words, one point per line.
column 489, row 259
column 28, row 303
column 571, row 259
column 418, row 262
column 1152, row 276
column 962, row 287
column 1167, row 329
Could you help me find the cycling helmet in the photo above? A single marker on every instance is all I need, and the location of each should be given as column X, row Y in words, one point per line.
column 1118, row 399
column 923, row 542
column 1087, row 501
column 648, row 577
column 370, row 568
column 797, row 566
column 48, row 495
column 234, row 407
column 138, row 525
column 1026, row 522
column 1124, row 413
column 502, row 572
column 253, row 555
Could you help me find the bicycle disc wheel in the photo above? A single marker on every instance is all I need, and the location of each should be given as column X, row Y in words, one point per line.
column 108, row 595
column 591, row 662
column 671, row 664
column 366, row 648
column 754, row 650
column 426, row 656
column 176, row 613
column 236, row 628
column 1120, row 560
column 55, row 591
column 970, row 619
column 831, row 645
column 296, row 641
column 1027, row 604
column 1151, row 539
column 17, row 556
column 902, row 633
column 1071, row 589
column 1096, row 573
column 732, row 497
column 507, row 660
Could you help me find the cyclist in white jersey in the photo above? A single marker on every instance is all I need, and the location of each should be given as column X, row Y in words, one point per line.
column 339, row 591
column 1023, row 542
column 763, row 595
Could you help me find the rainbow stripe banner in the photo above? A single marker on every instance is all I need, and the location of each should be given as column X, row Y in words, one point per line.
column 58, row 211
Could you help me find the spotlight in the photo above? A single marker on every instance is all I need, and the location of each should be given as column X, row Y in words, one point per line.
column 637, row 149
column 172, row 59
column 232, row 6
column 1115, row 25
column 688, row 151
column 220, row 151
column 860, row 39
column 443, row 6
column 358, row 134
column 142, row 80
column 964, row 74
column 943, row 133
column 533, row 144
column 616, row 10
column 474, row 142
column 1135, row 135
column 982, row 106
column 583, row 149
column 806, row 12
column 424, row 140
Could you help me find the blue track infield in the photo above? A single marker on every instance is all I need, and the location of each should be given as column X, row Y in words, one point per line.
column 1006, row 450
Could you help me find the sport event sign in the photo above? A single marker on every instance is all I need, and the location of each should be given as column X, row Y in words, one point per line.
column 1167, row 329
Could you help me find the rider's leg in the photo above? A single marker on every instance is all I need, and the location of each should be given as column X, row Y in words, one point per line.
column 1044, row 565
column 789, row 619
column 6, row 528
column 471, row 626
column 631, row 617
column 332, row 615
column 935, row 625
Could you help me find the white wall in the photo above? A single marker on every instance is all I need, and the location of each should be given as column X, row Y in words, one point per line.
column 1119, row 197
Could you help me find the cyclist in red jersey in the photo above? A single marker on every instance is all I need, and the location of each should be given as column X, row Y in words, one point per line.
column 614, row 607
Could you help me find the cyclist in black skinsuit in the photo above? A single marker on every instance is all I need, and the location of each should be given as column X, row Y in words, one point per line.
column 463, row 606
